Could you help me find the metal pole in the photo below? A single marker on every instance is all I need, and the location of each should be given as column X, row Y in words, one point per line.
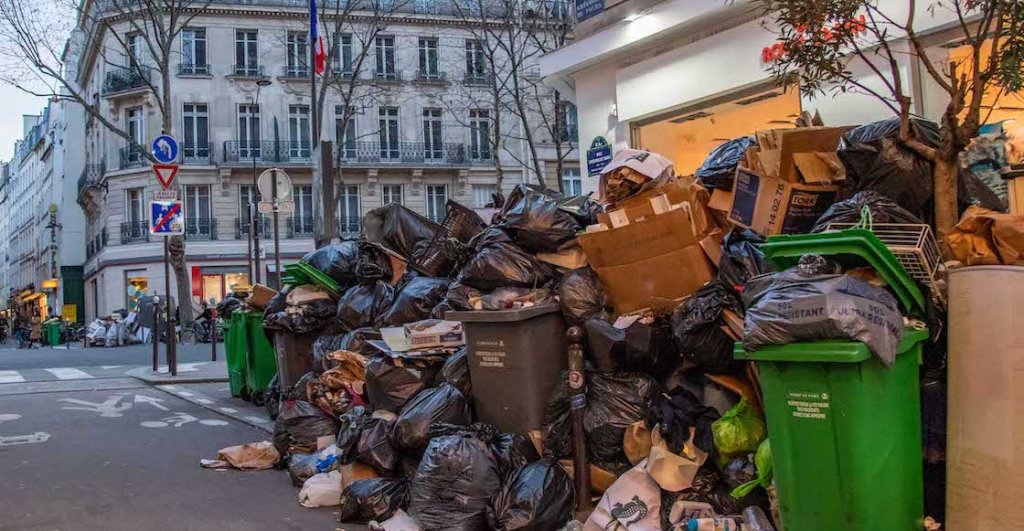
column 253, row 219
column 172, row 355
column 577, row 405
column 277, row 236
column 249, row 241
column 213, row 338
column 154, row 335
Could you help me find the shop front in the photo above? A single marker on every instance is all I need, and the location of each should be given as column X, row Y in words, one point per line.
column 212, row 283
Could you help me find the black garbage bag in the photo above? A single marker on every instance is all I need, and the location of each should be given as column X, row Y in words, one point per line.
column 227, row 306
column 390, row 383
column 582, row 297
column 456, row 372
column 883, row 210
column 502, row 265
column 709, row 487
column 358, row 341
column 646, row 347
column 374, row 264
column 678, row 411
column 457, row 298
column 697, row 325
column 398, row 228
column 373, row 499
column 415, row 301
column 719, row 169
column 337, row 260
column 614, row 401
column 301, row 467
column 309, row 317
column 299, row 425
column 742, row 259
column 444, row 404
column 439, row 257
column 350, row 429
column 374, row 447
column 454, row 483
column 492, row 234
column 279, row 302
column 513, row 451
column 582, row 208
column 361, row 305
column 323, row 346
column 538, row 496
column 272, row 398
column 536, row 223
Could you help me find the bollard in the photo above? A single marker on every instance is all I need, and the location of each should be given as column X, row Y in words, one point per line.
column 577, row 404
column 213, row 339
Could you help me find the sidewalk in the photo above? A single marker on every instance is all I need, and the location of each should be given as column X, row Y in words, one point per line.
column 192, row 372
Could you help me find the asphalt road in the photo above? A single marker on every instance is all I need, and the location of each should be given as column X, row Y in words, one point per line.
column 13, row 358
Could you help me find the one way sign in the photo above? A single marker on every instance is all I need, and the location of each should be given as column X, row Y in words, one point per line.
column 166, row 218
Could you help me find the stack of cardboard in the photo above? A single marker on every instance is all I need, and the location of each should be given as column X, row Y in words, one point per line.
column 786, row 182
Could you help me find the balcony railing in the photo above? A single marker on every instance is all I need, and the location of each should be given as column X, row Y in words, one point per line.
column 388, row 77
column 196, row 154
column 247, row 70
column 268, row 151
column 402, row 153
column 300, row 226
column 429, row 77
column 200, row 229
column 185, row 69
column 296, row 72
column 134, row 232
column 131, row 157
column 91, row 174
column 122, row 79
column 479, row 78
column 350, row 226
column 242, row 228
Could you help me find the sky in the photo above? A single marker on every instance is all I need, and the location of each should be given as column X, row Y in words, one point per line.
column 13, row 104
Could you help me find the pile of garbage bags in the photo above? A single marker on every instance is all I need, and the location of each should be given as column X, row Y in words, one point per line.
column 117, row 329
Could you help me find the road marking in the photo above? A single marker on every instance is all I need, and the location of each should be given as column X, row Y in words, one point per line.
column 69, row 373
column 205, row 401
column 179, row 419
column 109, row 367
column 228, row 409
column 155, row 402
column 37, row 437
column 7, row 417
column 255, row 419
column 108, row 408
column 11, row 377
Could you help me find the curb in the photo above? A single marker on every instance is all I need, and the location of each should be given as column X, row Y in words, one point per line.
column 146, row 375
column 209, row 404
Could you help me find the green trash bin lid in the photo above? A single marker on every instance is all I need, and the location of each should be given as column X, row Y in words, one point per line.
column 303, row 273
column 852, row 248
column 825, row 351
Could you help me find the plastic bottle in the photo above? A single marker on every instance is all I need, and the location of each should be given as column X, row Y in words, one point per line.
column 718, row 523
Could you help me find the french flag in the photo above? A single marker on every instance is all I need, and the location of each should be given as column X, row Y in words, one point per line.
column 316, row 40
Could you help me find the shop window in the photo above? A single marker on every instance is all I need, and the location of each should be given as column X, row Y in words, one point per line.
column 137, row 286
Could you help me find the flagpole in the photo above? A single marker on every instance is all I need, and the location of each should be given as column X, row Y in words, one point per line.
column 314, row 38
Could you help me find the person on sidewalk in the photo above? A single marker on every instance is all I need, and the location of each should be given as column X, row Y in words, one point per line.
column 36, row 332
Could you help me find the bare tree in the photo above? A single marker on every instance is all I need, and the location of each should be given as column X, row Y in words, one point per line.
column 27, row 36
column 823, row 40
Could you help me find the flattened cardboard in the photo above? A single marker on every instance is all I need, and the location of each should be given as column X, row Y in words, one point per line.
column 632, row 286
column 770, row 206
column 642, row 205
column 721, row 200
column 778, row 150
column 656, row 235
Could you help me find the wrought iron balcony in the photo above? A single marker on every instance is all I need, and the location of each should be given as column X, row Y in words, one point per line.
column 481, row 155
column 122, row 79
column 196, row 154
column 200, row 229
column 241, row 152
column 262, row 227
column 296, row 72
column 402, row 153
column 185, row 69
column 134, row 232
column 349, row 226
column 131, row 157
column 247, row 70
column 91, row 175
column 300, row 226
column 427, row 77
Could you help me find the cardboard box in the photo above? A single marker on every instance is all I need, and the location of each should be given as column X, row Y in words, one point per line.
column 769, row 205
column 804, row 154
column 658, row 257
column 261, row 296
column 721, row 200
column 648, row 203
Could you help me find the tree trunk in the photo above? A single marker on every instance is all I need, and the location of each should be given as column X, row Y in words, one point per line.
column 177, row 244
column 945, row 172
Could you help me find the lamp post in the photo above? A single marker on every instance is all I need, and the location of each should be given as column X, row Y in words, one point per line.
column 254, row 233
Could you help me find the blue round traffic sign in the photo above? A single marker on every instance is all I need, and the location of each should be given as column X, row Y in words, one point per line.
column 165, row 149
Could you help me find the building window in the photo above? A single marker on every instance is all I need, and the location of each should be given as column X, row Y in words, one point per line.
column 571, row 182
column 198, row 210
column 196, row 125
column 391, row 193
column 133, row 47
column 480, row 134
column 133, row 119
column 343, row 53
column 248, row 131
column 428, row 59
column 246, row 197
column 349, row 215
column 298, row 54
column 137, row 284
column 387, row 121
column 193, row 51
column 476, row 66
column 345, row 133
column 437, row 196
column 483, row 195
column 135, row 206
column 433, row 144
column 568, row 126
column 246, row 53
column 298, row 131
column 385, row 46
column 302, row 219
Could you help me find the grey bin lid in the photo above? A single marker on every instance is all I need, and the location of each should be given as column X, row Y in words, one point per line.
column 501, row 316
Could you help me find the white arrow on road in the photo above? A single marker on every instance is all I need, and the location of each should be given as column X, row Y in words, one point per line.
column 107, row 408
column 155, row 402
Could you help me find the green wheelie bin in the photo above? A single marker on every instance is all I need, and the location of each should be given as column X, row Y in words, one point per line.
column 260, row 357
column 51, row 333
column 235, row 346
column 845, row 430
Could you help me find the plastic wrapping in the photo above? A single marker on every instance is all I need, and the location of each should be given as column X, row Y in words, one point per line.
column 535, row 221
column 697, row 325
column 504, row 265
column 719, row 169
column 414, row 301
column 582, row 297
column 361, row 305
column 301, row 467
column 537, row 496
column 739, row 431
column 514, row 451
column 439, row 404
column 398, row 228
column 337, row 260
column 742, row 259
column 454, row 484
column 373, row 499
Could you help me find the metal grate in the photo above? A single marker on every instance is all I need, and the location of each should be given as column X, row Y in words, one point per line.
column 915, row 248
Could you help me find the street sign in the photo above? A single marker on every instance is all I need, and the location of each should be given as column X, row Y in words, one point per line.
column 165, row 173
column 266, row 185
column 166, row 218
column 286, row 206
column 165, row 149
column 165, row 195
column 265, row 207
column 598, row 156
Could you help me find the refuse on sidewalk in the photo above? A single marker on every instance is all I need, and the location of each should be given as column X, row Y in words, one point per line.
column 741, row 330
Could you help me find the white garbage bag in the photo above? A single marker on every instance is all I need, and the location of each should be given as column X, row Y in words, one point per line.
column 321, row 490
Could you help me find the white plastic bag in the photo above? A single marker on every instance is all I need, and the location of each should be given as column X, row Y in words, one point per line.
column 321, row 490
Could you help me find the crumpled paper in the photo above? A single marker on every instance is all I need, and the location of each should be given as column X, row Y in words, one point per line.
column 252, row 456
column 987, row 237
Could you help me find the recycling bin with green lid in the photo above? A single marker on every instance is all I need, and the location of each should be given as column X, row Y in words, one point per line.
column 260, row 357
column 235, row 346
column 845, row 430
column 51, row 333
